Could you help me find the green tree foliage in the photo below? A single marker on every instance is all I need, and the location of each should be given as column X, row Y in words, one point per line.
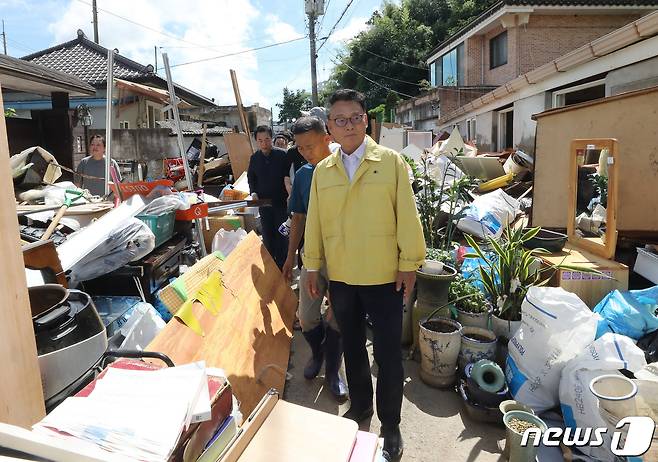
column 294, row 102
column 404, row 33
column 10, row 112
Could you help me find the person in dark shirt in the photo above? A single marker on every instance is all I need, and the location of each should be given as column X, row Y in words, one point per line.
column 268, row 174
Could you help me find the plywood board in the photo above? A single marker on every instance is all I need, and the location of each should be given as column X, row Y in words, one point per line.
column 21, row 396
column 296, row 433
column 250, row 335
column 239, row 150
column 629, row 118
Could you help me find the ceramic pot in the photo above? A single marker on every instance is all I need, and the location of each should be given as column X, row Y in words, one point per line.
column 431, row 292
column 466, row 318
column 439, row 342
column 503, row 327
column 513, row 448
column 476, row 344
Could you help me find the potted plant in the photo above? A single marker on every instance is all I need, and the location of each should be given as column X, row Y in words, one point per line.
column 434, row 278
column 507, row 271
column 471, row 311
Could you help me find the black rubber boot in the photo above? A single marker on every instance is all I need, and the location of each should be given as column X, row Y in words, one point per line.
column 333, row 349
column 315, row 338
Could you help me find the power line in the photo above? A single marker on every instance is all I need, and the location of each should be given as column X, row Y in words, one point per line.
column 388, row 77
column 326, row 8
column 335, row 25
column 393, row 60
column 238, row 52
column 375, row 82
column 144, row 26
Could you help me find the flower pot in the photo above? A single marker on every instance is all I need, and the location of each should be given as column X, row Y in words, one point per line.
column 476, row 344
column 511, row 405
column 466, row 318
column 407, row 323
column 431, row 293
column 503, row 327
column 513, row 448
column 439, row 342
column 482, row 397
column 616, row 394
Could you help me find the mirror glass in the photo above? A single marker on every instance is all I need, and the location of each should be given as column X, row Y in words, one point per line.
column 592, row 215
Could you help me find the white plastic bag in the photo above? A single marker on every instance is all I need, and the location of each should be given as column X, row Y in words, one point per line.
column 142, row 327
column 129, row 241
column 580, row 407
column 555, row 327
column 489, row 215
column 225, row 241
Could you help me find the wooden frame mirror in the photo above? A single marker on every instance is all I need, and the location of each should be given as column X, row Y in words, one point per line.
column 602, row 163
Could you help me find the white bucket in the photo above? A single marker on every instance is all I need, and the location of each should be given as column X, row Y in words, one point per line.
column 616, row 394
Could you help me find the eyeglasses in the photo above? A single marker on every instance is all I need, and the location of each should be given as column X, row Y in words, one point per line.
column 342, row 121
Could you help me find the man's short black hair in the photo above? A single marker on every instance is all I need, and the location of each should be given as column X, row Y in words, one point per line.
column 308, row 124
column 263, row 129
column 347, row 94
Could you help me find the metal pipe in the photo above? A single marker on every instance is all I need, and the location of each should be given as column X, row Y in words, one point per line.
column 108, row 119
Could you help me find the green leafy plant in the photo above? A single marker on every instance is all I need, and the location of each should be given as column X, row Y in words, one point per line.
column 459, row 289
column 509, row 270
column 600, row 184
column 10, row 112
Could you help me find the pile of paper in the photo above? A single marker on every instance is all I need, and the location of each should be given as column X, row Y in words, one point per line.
column 134, row 413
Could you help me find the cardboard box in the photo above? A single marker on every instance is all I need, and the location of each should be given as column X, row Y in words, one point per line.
column 591, row 288
column 215, row 223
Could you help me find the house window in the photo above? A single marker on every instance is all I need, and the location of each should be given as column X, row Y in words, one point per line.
column 124, row 124
column 433, row 74
column 471, row 132
column 449, row 65
column 579, row 94
column 498, row 50
column 506, row 129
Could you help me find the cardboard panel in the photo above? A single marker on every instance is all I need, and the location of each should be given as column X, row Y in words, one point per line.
column 239, row 150
column 631, row 119
column 250, row 335
column 295, row 433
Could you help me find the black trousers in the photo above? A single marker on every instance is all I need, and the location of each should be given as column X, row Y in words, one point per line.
column 275, row 243
column 383, row 304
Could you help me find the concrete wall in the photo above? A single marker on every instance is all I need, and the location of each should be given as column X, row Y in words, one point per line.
column 484, row 130
column 524, row 126
column 634, row 77
column 151, row 146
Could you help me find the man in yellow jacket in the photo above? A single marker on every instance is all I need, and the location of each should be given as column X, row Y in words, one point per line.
column 363, row 223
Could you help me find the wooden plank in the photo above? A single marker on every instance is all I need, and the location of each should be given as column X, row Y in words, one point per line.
column 629, row 118
column 238, row 102
column 250, row 335
column 590, row 288
column 239, row 150
column 21, row 395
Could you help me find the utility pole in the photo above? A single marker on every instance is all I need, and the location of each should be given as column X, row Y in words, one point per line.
column 155, row 52
column 313, row 9
column 314, row 77
column 95, row 14
column 4, row 37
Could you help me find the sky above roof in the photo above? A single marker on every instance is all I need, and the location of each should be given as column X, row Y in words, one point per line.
column 195, row 30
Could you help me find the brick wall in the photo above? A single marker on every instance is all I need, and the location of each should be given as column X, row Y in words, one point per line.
column 452, row 98
column 474, row 46
column 506, row 72
column 546, row 38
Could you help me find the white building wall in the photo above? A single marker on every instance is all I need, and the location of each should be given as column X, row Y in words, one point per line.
column 484, row 131
column 524, row 126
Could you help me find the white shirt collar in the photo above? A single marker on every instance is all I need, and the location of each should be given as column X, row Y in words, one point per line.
column 356, row 155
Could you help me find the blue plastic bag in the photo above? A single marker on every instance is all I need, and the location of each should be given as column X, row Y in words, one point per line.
column 630, row 313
